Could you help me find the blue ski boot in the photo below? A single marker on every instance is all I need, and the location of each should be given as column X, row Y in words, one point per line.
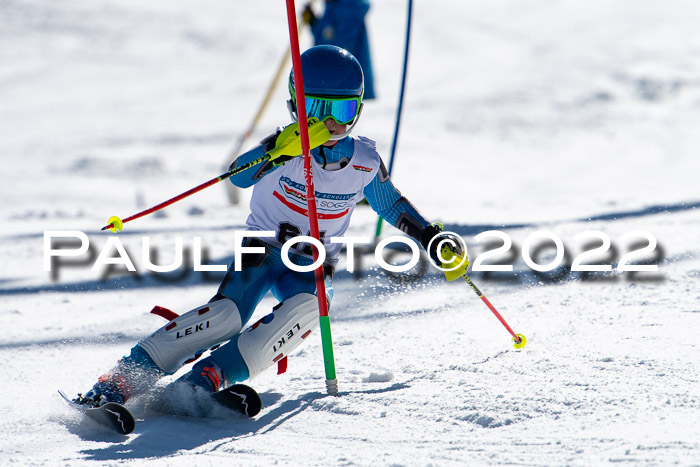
column 134, row 374
column 207, row 375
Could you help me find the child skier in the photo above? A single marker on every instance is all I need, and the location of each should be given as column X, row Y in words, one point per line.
column 346, row 169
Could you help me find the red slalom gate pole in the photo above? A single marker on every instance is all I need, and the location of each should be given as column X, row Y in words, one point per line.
column 324, row 319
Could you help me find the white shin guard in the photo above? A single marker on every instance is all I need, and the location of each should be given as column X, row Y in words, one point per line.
column 188, row 336
column 279, row 333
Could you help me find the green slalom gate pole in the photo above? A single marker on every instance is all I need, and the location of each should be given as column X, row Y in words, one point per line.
column 324, row 319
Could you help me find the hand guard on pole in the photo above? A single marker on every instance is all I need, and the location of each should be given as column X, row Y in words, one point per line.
column 445, row 250
column 287, row 144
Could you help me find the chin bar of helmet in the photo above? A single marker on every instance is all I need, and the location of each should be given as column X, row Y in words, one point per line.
column 293, row 113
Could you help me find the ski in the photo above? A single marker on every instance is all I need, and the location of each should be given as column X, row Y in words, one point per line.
column 240, row 398
column 111, row 415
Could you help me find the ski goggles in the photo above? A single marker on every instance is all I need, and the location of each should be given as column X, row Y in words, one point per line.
column 341, row 109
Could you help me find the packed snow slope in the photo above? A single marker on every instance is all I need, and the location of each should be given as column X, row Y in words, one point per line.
column 522, row 117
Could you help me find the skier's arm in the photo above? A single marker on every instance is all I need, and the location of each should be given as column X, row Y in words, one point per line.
column 393, row 207
column 280, row 147
column 252, row 175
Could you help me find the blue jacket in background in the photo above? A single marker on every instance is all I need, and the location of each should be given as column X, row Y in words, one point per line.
column 343, row 24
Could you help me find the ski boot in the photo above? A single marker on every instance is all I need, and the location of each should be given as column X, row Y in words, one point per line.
column 109, row 388
column 207, row 375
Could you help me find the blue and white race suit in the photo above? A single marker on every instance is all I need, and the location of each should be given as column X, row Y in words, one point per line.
column 343, row 175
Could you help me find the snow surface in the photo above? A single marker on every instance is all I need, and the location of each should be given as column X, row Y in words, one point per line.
column 564, row 116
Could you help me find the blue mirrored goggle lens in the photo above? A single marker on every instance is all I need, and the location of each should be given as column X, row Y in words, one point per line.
column 342, row 111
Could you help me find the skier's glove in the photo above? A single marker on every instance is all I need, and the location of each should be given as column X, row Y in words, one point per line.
column 449, row 244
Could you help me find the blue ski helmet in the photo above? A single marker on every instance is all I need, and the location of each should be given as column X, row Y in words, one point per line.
column 330, row 72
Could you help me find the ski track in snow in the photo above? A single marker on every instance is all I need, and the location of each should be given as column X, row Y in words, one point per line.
column 543, row 115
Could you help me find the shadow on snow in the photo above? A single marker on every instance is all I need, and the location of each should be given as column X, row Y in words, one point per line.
column 165, row 435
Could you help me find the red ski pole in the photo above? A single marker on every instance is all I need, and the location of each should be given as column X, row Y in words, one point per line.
column 519, row 339
column 455, row 266
column 116, row 224
column 288, row 142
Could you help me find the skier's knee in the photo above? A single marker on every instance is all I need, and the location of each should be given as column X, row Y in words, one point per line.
column 188, row 336
column 278, row 334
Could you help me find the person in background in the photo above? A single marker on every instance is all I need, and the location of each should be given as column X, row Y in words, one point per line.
column 343, row 25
